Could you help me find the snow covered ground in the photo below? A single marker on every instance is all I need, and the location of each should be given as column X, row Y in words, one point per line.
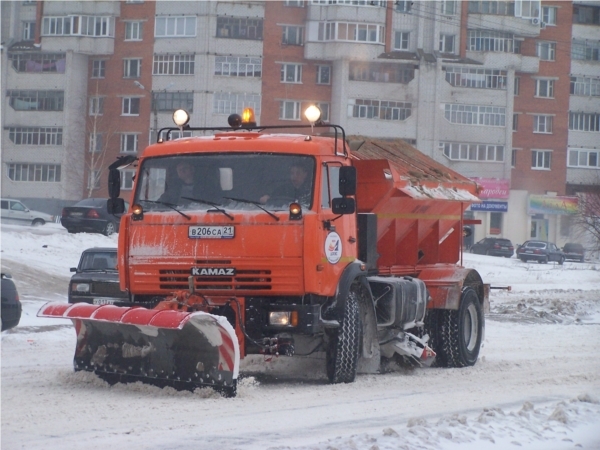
column 535, row 386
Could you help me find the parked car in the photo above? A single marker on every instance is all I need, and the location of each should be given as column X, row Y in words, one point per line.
column 540, row 251
column 11, row 305
column 574, row 251
column 493, row 247
column 90, row 215
column 14, row 211
column 96, row 279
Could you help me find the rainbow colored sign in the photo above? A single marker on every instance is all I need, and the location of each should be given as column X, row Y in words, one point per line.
column 547, row 204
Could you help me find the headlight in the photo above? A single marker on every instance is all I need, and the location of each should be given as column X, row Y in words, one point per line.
column 283, row 318
column 81, row 287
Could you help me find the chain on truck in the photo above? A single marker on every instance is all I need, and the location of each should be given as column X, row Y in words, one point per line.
column 247, row 240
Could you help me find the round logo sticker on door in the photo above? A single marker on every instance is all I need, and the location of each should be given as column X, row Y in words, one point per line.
column 333, row 247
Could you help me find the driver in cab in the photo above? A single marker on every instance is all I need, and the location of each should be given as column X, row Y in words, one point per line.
column 298, row 189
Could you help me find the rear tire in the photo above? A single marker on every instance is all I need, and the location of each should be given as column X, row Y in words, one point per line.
column 561, row 260
column 456, row 335
column 342, row 351
column 109, row 229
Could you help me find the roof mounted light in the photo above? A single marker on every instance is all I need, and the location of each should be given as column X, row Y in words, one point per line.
column 248, row 120
column 313, row 114
column 234, row 121
column 181, row 118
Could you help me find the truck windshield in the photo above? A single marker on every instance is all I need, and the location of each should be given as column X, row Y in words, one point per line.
column 234, row 181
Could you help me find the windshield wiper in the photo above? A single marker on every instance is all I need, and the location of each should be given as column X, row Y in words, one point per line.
column 252, row 202
column 169, row 205
column 213, row 204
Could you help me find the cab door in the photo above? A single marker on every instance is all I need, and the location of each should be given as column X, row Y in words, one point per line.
column 19, row 213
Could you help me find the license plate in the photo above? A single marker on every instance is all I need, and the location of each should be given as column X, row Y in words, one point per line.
column 528, row 251
column 205, row 232
column 103, row 301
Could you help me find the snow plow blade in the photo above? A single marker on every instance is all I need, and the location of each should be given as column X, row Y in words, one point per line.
column 184, row 350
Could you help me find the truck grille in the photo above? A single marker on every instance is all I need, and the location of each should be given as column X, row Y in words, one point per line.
column 243, row 280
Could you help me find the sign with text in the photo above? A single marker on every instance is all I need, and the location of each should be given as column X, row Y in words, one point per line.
column 493, row 187
column 490, row 206
column 550, row 204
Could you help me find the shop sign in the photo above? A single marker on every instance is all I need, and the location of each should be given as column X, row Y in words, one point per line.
column 490, row 206
column 548, row 204
column 493, row 187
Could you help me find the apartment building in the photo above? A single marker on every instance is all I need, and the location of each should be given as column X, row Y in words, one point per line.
column 505, row 92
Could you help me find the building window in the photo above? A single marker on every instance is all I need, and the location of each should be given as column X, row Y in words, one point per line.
column 401, row 40
column 381, row 3
column 540, row 159
column 234, row 102
column 585, row 50
column 127, row 179
column 239, row 28
column 381, row 72
column 403, row 6
column 517, row 89
column 96, row 143
column 96, row 106
column 98, row 68
column 472, row 152
column 586, row 14
column 515, row 126
column 292, row 35
column 323, row 74
column 495, row 223
column 132, row 68
column 36, row 100
column 546, row 51
column 38, row 62
column 492, row 41
column 354, row 32
column 238, row 66
column 130, row 106
column 449, row 7
column 175, row 26
column 498, row 7
column 475, row 115
column 513, row 158
column 549, row 15
column 94, row 26
column 544, row 88
column 379, row 109
column 294, row 3
column 36, row 135
column 94, row 179
column 324, row 107
column 129, row 143
column 182, row 64
column 291, row 73
column 579, row 157
column 171, row 101
column 28, row 31
column 476, row 78
column 542, row 124
column 34, row 172
column 289, row 110
column 133, row 31
column 584, row 121
column 527, row 9
column 585, row 86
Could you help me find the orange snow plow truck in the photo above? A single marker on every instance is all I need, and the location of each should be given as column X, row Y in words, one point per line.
column 245, row 240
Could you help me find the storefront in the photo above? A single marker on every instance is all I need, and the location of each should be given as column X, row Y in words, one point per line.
column 493, row 208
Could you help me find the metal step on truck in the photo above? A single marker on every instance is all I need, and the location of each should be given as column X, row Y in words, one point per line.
column 250, row 240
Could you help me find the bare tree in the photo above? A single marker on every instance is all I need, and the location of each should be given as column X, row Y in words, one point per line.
column 587, row 218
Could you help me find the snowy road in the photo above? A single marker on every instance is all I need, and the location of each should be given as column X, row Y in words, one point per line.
column 540, row 353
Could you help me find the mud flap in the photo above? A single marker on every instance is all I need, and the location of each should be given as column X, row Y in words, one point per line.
column 160, row 347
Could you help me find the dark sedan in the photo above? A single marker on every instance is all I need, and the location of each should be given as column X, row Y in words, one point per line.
column 493, row 247
column 540, row 251
column 90, row 215
column 96, row 278
column 11, row 305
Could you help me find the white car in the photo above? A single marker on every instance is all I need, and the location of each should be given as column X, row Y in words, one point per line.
column 13, row 211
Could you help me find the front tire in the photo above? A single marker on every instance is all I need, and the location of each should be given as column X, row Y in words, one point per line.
column 38, row 222
column 344, row 343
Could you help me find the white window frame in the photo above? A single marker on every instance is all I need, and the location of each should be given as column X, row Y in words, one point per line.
column 583, row 158
column 134, row 30
column 127, row 179
column 238, row 66
column 402, row 38
column 445, row 41
column 449, row 7
column 28, row 31
column 289, row 110
column 291, row 73
column 130, row 142
column 351, row 32
column 98, row 68
column 94, row 179
column 174, row 64
column 292, row 35
column 541, row 159
column 234, row 102
column 325, row 108
column 513, row 158
column 543, row 124
column 587, row 122
column 96, row 143
column 461, row 151
column 96, row 106
column 492, row 116
column 549, row 15
column 585, row 86
column 32, row 172
column 294, row 3
column 544, row 88
column 323, row 74
column 132, row 67
column 130, row 104
column 528, row 9
column 546, row 50
column 175, row 26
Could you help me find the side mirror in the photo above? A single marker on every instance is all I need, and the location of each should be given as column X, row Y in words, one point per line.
column 114, row 183
column 347, row 180
column 343, row 205
column 115, row 206
column 73, row 269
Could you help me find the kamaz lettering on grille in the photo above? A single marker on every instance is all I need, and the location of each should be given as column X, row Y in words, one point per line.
column 213, row 271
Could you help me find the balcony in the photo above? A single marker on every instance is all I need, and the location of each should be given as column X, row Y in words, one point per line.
column 517, row 25
column 506, row 61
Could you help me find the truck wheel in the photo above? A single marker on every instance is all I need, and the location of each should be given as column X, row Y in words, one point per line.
column 458, row 334
column 342, row 351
